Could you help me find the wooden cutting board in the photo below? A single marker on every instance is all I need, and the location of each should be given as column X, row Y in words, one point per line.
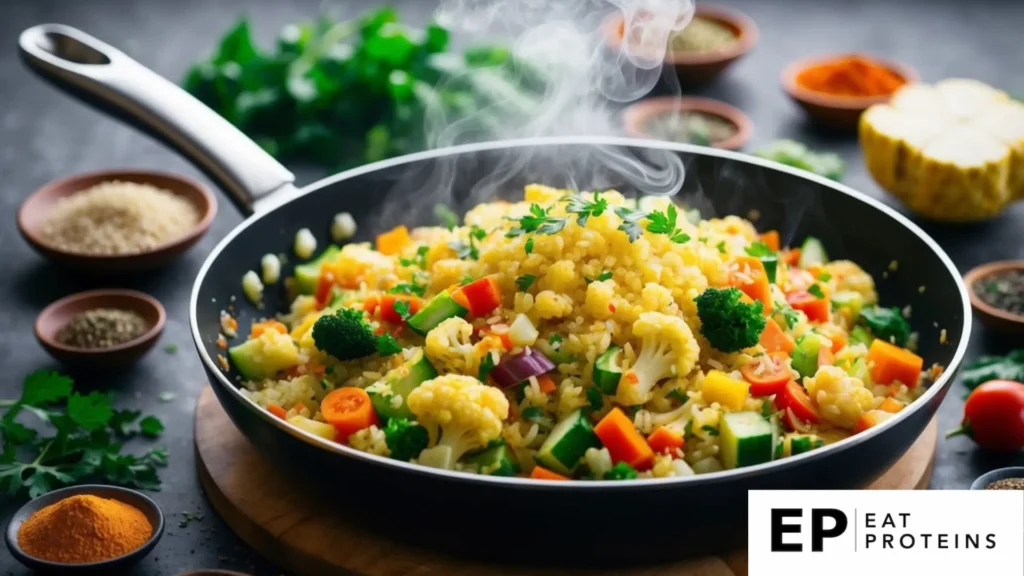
column 284, row 524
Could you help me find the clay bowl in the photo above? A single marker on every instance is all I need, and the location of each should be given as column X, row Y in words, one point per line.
column 35, row 208
column 105, row 567
column 636, row 117
column 991, row 316
column 58, row 314
column 837, row 112
column 697, row 69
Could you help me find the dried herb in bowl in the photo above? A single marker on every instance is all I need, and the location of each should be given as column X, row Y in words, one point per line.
column 1003, row 290
column 702, row 35
column 102, row 328
column 690, row 127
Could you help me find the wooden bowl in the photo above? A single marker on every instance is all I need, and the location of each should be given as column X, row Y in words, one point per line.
column 58, row 314
column 697, row 69
column 35, row 208
column 991, row 316
column 638, row 115
column 102, row 568
column 837, row 112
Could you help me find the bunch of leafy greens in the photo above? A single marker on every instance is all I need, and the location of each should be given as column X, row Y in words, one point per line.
column 345, row 93
column 86, row 440
column 1009, row 367
column 798, row 155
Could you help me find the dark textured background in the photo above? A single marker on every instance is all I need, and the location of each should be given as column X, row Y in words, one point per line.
column 44, row 135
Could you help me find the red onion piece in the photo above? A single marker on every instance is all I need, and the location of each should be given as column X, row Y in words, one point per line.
column 514, row 369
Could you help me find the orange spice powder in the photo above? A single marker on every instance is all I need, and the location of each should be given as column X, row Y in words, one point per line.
column 84, row 528
column 850, row 76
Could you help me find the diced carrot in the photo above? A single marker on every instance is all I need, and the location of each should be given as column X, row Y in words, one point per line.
column 791, row 256
column 349, row 410
column 891, row 405
column 482, row 296
column 665, row 441
column 319, row 369
column 324, row 285
column 816, row 309
column 771, row 239
column 277, row 411
column 839, row 341
column 870, row 419
column 547, row 384
column 541, row 473
column 387, row 306
column 393, row 241
column 460, row 298
column 816, row 270
column 752, row 279
column 826, row 357
column 623, row 440
column 370, row 304
column 259, row 328
column 890, row 363
column 774, row 339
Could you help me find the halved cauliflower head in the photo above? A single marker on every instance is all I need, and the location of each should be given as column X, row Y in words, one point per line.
column 460, row 414
column 449, row 349
column 841, row 398
column 668, row 349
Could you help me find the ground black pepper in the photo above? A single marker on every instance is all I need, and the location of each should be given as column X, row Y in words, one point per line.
column 1004, row 290
column 102, row 328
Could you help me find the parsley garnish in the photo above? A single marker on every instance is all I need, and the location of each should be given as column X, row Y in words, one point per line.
column 408, row 288
column 529, row 246
column 532, row 414
column 419, row 260
column 630, row 222
column 688, row 429
column 446, row 216
column 537, row 221
column 824, row 277
column 665, row 223
column 555, row 339
column 171, row 348
column 710, row 429
column 463, row 250
column 401, row 308
column 386, row 343
column 721, row 246
column 584, row 209
column 606, row 275
column 486, row 365
column 678, row 395
column 525, row 281
column 83, row 445
column 466, row 280
column 759, row 249
column 791, row 316
column 815, row 290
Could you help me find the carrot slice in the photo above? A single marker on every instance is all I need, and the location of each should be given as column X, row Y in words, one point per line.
column 891, row 405
column 623, row 441
column 547, row 383
column 774, row 339
column 540, row 473
column 393, row 241
column 839, row 341
column 370, row 304
column 768, row 381
column 277, row 411
column 890, row 363
column 870, row 419
column 752, row 279
column 482, row 296
column 816, row 309
column 348, row 410
column 259, row 328
column 791, row 256
column 387, row 306
column 665, row 441
column 771, row 239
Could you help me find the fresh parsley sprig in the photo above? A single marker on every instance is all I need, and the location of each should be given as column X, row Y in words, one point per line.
column 470, row 249
column 584, row 208
column 665, row 223
column 537, row 220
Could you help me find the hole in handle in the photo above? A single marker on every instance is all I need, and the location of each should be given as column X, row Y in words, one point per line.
column 69, row 48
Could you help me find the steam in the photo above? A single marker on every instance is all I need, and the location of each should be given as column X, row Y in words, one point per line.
column 586, row 73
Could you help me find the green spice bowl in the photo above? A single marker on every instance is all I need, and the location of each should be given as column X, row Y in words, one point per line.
column 58, row 314
column 995, row 318
column 999, row 474
column 106, row 567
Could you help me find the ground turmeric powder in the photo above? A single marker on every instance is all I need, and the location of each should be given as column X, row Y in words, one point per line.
column 84, row 528
column 850, row 76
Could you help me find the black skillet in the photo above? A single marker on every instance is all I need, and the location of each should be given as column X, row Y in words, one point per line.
column 513, row 519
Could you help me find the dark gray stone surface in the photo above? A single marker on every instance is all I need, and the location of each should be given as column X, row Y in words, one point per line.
column 44, row 135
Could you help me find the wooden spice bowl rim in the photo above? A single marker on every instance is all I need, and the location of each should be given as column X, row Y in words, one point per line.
column 636, row 116
column 58, row 313
column 825, row 100
column 35, row 208
column 996, row 475
column 984, row 308
column 741, row 25
column 132, row 497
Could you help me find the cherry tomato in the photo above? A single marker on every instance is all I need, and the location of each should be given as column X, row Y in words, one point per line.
column 795, row 398
column 994, row 416
column 771, row 380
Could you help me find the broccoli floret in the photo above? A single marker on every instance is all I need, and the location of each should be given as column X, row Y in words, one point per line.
column 886, row 324
column 405, row 439
column 621, row 471
column 728, row 323
column 346, row 335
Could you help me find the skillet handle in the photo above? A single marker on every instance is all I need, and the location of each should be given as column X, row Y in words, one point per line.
column 105, row 77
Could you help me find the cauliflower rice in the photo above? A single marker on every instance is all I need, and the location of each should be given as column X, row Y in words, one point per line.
column 635, row 383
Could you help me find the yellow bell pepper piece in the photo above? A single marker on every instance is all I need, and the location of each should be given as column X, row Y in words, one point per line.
column 729, row 392
column 321, row 429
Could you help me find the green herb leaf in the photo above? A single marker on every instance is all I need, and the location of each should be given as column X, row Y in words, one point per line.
column 151, row 426
column 525, row 281
column 606, row 275
column 401, row 308
column 387, row 345
column 1009, row 367
column 710, row 429
column 630, row 222
column 91, row 412
column 448, row 218
column 758, row 250
column 662, row 223
column 42, row 387
column 486, row 365
column 466, row 280
column 532, row 413
column 171, row 348
column 408, row 288
column 688, row 429
column 816, row 291
column 538, row 221
column 721, row 247
column 584, row 209
column 420, row 260
column 529, row 246
column 824, row 277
